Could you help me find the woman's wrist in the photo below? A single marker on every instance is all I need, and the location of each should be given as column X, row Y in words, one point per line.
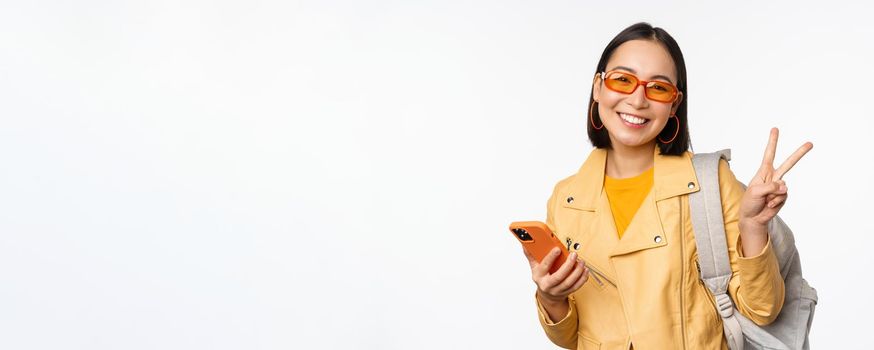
column 550, row 301
column 754, row 237
column 750, row 228
column 556, row 310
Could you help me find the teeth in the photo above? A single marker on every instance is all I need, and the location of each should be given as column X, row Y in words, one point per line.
column 632, row 119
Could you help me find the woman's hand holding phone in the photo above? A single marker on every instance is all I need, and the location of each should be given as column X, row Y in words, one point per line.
column 553, row 289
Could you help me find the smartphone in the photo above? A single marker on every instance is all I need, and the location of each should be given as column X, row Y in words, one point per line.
column 538, row 240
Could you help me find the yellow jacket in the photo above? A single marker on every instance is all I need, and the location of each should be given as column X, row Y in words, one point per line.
column 645, row 289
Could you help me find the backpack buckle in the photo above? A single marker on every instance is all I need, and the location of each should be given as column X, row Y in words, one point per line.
column 726, row 307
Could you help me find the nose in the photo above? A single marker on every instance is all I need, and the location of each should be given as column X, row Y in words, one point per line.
column 637, row 99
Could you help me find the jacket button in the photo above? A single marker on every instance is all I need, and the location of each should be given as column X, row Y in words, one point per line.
column 657, row 239
column 570, row 199
column 576, row 246
column 691, row 185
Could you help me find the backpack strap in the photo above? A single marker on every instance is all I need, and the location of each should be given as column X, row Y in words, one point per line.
column 709, row 226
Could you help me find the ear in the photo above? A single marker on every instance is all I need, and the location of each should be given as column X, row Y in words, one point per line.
column 676, row 104
column 596, row 87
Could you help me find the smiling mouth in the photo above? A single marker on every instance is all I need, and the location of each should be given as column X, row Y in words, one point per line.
column 633, row 119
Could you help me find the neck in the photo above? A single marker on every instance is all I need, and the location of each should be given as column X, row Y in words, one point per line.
column 628, row 161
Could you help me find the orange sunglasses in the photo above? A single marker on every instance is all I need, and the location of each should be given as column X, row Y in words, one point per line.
column 626, row 83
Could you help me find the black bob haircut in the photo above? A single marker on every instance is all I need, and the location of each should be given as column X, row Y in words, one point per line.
column 644, row 31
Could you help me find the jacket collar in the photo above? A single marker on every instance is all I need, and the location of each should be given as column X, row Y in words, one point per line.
column 672, row 176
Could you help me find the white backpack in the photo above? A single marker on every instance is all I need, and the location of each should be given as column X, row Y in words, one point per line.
column 792, row 326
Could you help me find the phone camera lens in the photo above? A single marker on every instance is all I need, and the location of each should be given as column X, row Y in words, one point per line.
column 523, row 234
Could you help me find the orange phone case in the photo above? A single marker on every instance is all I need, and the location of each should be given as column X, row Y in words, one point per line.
column 537, row 239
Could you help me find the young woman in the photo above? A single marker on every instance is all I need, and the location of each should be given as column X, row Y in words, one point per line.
column 632, row 278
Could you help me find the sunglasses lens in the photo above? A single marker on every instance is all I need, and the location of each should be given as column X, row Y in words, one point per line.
column 662, row 92
column 621, row 82
column 626, row 83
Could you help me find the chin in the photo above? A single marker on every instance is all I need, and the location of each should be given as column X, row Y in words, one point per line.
column 636, row 145
column 632, row 141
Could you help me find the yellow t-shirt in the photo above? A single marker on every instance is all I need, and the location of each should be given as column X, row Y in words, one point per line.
column 626, row 195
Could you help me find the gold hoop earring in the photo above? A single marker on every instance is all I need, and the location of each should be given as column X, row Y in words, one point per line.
column 677, row 132
column 592, row 118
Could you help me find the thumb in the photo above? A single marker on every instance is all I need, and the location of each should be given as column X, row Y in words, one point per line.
column 763, row 190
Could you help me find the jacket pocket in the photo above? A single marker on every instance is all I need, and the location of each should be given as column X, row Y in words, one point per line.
column 596, row 277
column 600, row 280
column 569, row 203
column 586, row 343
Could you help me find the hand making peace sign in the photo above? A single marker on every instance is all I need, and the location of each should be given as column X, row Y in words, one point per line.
column 767, row 192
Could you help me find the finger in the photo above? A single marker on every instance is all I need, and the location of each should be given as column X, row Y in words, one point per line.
column 781, row 189
column 564, row 270
column 580, row 282
column 761, row 176
column 777, row 201
column 794, row 158
column 548, row 260
column 762, row 191
column 541, row 270
column 771, row 149
column 572, row 278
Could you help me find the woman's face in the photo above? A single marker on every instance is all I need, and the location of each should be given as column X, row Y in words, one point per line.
column 622, row 113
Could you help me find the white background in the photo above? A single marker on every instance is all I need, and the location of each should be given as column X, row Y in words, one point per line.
column 323, row 174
